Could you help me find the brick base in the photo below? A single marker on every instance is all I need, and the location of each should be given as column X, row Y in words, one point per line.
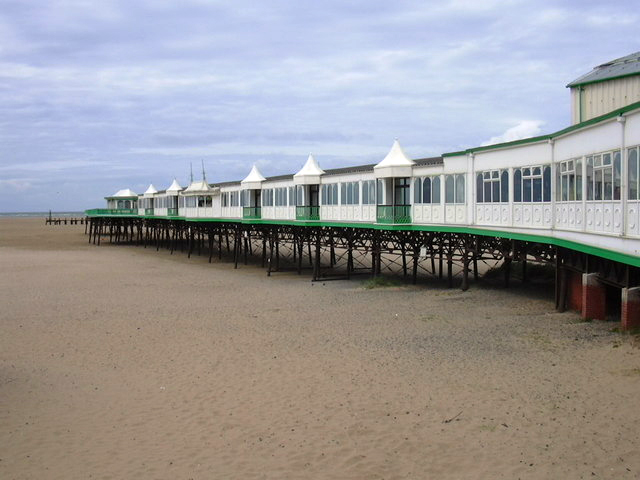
column 574, row 294
column 630, row 318
column 594, row 298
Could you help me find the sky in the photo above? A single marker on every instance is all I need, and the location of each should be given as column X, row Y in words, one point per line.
column 101, row 95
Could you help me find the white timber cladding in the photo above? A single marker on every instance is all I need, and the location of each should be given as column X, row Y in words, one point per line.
column 595, row 99
column 582, row 185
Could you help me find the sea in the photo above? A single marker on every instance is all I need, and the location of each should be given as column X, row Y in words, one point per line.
column 42, row 214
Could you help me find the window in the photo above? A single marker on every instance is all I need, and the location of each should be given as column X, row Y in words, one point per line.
column 569, row 181
column 633, row 154
column 292, row 196
column 299, row 195
column 267, row 197
column 532, row 184
column 190, row 202
column 401, row 191
column 330, row 194
column 281, row 197
column 492, row 186
column 180, row 202
column 204, row 201
column 234, row 198
column 426, row 190
column 454, row 188
column 603, row 176
column 379, row 192
column 369, row 192
column 350, row 193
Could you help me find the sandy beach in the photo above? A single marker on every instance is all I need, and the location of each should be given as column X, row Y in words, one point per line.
column 120, row 362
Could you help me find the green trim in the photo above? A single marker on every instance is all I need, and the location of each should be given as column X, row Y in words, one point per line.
column 541, row 138
column 308, row 212
column 591, row 82
column 111, row 212
column 251, row 213
column 391, row 214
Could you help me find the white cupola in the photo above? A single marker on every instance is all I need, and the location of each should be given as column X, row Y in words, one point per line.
column 309, row 174
column 151, row 191
column 175, row 188
column 254, row 180
column 395, row 164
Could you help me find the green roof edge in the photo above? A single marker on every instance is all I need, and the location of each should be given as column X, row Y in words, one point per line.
column 615, row 77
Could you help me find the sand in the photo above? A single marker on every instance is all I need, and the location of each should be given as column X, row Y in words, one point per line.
column 120, row 362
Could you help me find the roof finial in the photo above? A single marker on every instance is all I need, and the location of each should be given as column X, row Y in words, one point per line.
column 191, row 167
column 204, row 176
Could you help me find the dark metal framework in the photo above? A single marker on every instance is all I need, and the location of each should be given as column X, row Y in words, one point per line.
column 340, row 252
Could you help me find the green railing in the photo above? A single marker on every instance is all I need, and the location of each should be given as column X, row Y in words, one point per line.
column 148, row 211
column 393, row 214
column 252, row 213
column 172, row 212
column 112, row 211
column 308, row 213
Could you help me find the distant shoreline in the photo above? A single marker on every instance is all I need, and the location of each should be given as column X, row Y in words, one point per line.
column 41, row 214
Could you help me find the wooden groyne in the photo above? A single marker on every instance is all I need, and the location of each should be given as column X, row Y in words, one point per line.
column 66, row 221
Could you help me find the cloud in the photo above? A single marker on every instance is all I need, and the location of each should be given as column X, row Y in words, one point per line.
column 524, row 129
column 16, row 184
column 112, row 94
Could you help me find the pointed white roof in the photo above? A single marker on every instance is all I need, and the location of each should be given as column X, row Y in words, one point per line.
column 395, row 164
column 174, row 188
column 151, row 190
column 197, row 187
column 309, row 174
column 254, row 180
column 126, row 192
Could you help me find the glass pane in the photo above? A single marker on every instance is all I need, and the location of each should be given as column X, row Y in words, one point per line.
column 536, row 171
column 526, row 172
column 380, row 192
column 578, row 180
column 606, row 159
column 572, row 186
column 633, row 174
column 517, row 185
column 589, row 179
column 504, row 186
column 607, row 174
column 616, row 176
column 537, row 190
column 435, row 190
column 426, row 190
column 494, row 174
column 417, row 191
column 546, row 178
column 448, row 189
column 597, row 184
column 459, row 188
column 479, row 188
column 356, row 193
column 487, row 191
column 526, row 190
column 350, row 193
column 495, row 195
column 564, row 187
column 487, row 175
